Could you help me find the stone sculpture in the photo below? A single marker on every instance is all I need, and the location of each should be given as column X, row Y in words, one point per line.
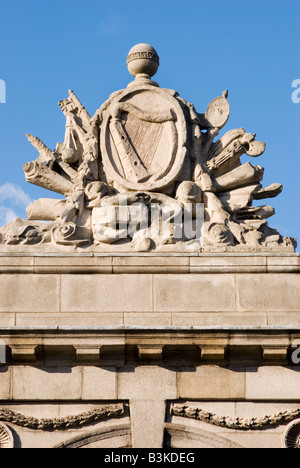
column 145, row 167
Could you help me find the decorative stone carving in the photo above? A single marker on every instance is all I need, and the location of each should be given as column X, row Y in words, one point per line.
column 186, row 411
column 6, row 437
column 99, row 438
column 292, row 435
column 59, row 424
column 134, row 175
column 178, row 436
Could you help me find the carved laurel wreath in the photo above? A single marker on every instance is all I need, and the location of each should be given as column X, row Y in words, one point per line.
column 237, row 423
column 59, row 424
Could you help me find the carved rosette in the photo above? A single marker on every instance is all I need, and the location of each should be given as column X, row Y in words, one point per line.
column 6, row 437
column 292, row 435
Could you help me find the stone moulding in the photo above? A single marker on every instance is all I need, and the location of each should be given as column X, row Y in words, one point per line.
column 112, row 346
column 239, row 424
column 190, row 436
column 60, row 424
column 37, row 263
column 123, row 430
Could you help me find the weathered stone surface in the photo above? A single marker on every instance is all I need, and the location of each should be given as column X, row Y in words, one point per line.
column 29, row 383
column 5, row 383
column 147, row 383
column 273, row 383
column 148, row 423
column 99, row 384
column 195, row 293
column 208, row 382
column 85, row 293
column 62, row 319
column 29, row 293
column 268, row 293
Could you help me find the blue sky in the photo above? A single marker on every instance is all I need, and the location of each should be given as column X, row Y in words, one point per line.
column 250, row 48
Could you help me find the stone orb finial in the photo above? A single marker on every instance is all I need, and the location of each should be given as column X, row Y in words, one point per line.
column 142, row 60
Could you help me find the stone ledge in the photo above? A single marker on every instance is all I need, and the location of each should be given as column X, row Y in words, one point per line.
column 149, row 263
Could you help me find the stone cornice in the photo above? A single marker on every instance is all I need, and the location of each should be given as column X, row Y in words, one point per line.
column 113, row 346
column 11, row 263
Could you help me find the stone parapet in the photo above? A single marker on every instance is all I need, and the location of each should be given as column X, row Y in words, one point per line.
column 142, row 290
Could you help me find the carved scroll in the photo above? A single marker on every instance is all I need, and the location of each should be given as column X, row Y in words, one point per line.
column 45, row 209
column 39, row 174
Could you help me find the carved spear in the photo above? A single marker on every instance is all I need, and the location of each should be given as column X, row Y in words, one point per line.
column 46, row 155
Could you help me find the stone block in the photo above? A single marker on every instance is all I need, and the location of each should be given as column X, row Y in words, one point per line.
column 99, row 384
column 211, row 382
column 106, row 293
column 273, row 383
column 81, row 319
column 255, row 440
column 194, row 293
column 5, row 382
column 268, row 292
column 147, row 383
column 49, row 383
column 29, row 293
column 148, row 422
column 283, row 319
column 7, row 320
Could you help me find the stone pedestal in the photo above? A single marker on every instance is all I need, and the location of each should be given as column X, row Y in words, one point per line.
column 150, row 350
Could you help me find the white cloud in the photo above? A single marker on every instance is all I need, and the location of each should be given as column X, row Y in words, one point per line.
column 6, row 215
column 13, row 202
column 15, row 194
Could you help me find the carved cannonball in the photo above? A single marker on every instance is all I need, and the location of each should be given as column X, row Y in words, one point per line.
column 142, row 59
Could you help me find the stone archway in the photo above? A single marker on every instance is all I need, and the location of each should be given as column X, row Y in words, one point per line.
column 116, row 436
column 181, row 436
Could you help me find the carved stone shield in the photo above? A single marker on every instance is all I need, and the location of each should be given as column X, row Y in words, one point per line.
column 143, row 138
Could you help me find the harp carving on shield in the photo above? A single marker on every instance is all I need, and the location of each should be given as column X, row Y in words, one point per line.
column 143, row 148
